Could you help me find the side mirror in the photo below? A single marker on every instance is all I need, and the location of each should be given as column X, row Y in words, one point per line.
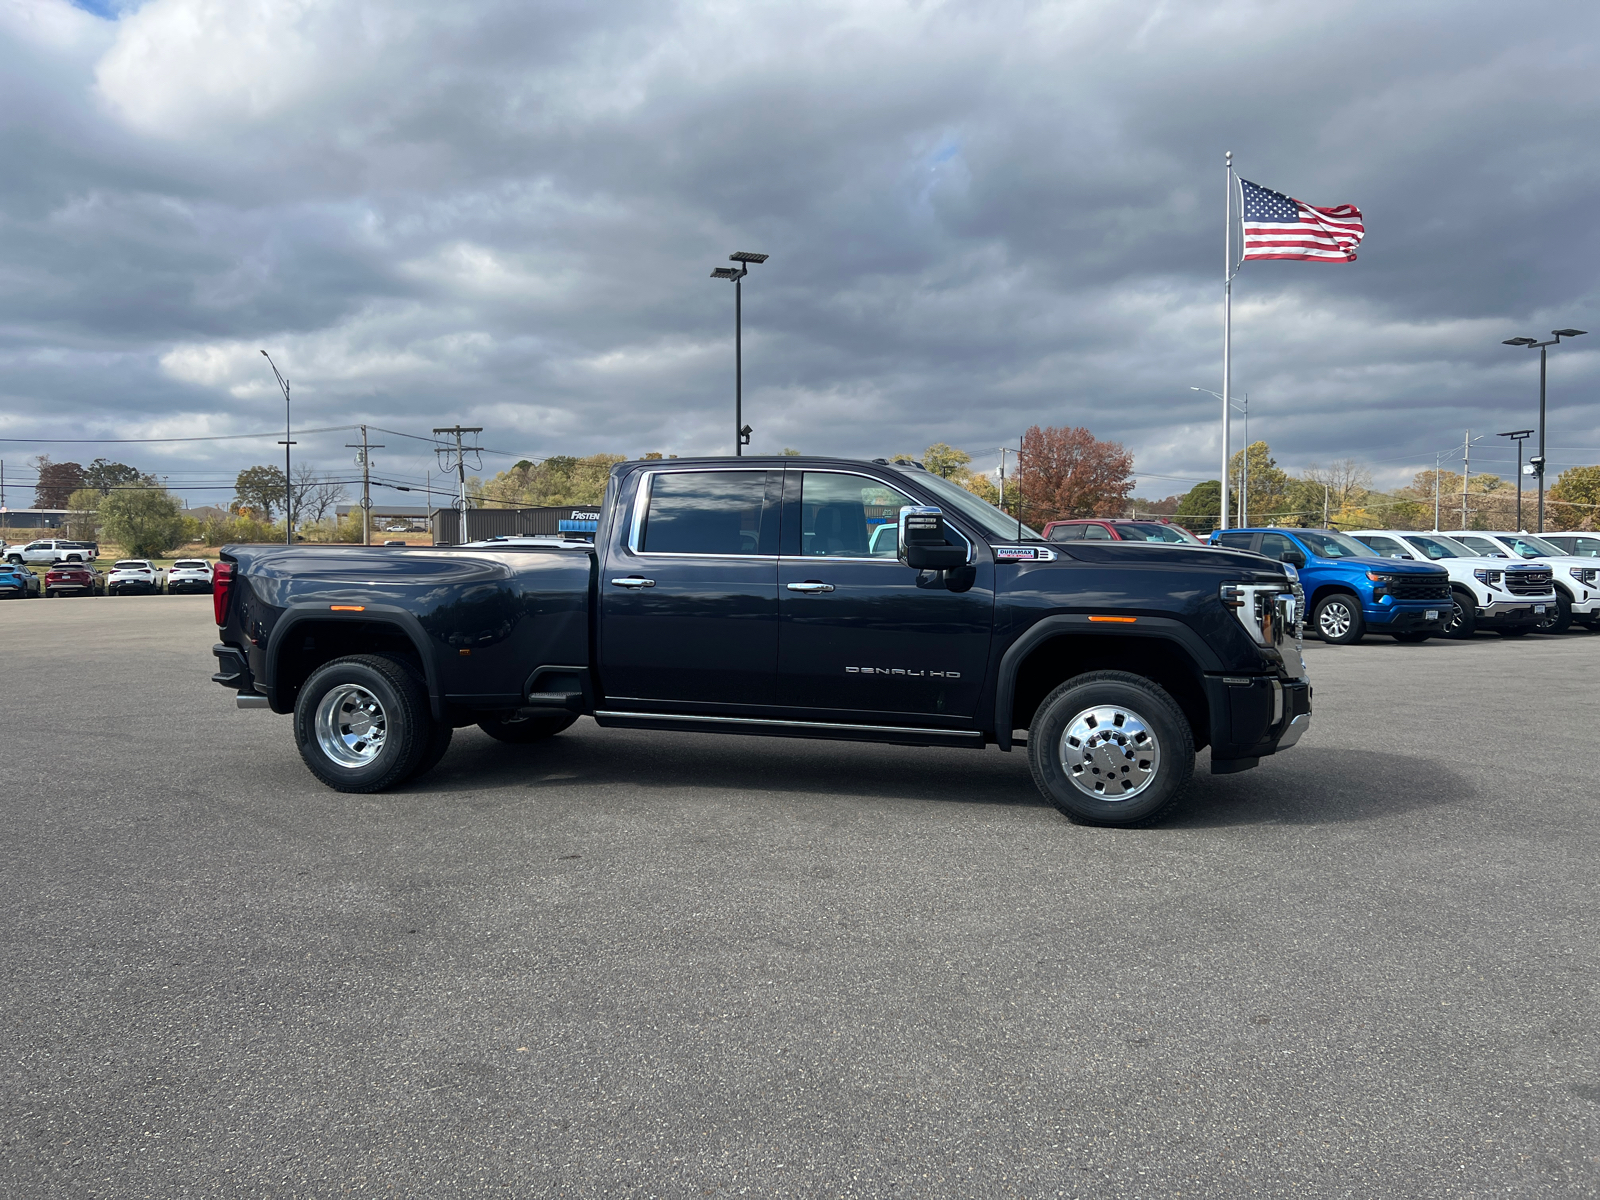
column 922, row 542
column 1294, row 558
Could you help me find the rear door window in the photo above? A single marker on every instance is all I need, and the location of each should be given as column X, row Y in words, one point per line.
column 1067, row 533
column 1237, row 540
column 708, row 512
column 1097, row 533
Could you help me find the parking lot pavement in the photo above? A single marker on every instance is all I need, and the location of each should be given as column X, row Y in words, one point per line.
column 658, row 964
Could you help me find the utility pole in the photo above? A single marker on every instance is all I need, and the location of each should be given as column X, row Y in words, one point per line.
column 457, row 461
column 1325, row 506
column 364, row 461
column 1466, row 472
column 1436, row 490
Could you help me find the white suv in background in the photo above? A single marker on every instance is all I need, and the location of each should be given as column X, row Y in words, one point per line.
column 1576, row 577
column 1485, row 592
column 130, row 575
column 189, row 575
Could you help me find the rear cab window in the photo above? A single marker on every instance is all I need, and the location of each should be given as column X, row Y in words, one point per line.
column 723, row 513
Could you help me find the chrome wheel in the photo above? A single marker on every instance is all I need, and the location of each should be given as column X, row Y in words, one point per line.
column 1334, row 620
column 1109, row 752
column 351, row 726
column 1458, row 617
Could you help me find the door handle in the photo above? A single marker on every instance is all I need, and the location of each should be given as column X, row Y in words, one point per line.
column 633, row 581
column 811, row 587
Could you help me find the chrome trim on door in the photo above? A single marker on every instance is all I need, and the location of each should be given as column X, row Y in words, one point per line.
column 811, row 587
column 634, row 582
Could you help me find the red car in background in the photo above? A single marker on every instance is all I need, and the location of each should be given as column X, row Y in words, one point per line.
column 1119, row 529
column 74, row 579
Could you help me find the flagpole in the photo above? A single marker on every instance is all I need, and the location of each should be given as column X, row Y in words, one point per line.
column 1227, row 331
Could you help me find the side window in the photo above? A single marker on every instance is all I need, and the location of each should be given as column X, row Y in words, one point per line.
column 1067, row 533
column 1481, row 546
column 1385, row 547
column 1097, row 533
column 844, row 516
column 1237, row 540
column 705, row 512
column 1275, row 545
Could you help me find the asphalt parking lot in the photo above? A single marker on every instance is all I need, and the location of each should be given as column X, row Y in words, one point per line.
column 642, row 964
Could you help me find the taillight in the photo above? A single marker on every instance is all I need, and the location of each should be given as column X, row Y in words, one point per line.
column 221, row 585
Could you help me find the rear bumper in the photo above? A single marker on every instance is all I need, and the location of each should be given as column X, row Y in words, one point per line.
column 177, row 586
column 128, row 587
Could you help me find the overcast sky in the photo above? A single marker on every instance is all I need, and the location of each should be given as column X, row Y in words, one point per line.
column 981, row 217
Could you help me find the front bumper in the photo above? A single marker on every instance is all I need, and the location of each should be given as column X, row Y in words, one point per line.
column 1413, row 618
column 1515, row 610
column 1253, row 717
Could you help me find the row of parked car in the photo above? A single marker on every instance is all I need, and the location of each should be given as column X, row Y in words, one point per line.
column 127, row 577
column 1410, row 585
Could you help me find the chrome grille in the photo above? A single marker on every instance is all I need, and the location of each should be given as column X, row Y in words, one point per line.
column 1528, row 583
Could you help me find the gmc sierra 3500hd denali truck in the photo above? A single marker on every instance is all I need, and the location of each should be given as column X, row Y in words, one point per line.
column 764, row 596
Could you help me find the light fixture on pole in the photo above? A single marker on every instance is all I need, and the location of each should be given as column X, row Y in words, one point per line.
column 744, row 258
column 1538, row 460
column 288, row 483
column 1518, row 436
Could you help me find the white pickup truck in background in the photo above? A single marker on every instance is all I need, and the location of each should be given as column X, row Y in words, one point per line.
column 1485, row 592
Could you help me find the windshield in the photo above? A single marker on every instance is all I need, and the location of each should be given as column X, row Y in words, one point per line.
column 1529, row 546
column 996, row 525
column 1139, row 531
column 1327, row 544
column 1437, row 548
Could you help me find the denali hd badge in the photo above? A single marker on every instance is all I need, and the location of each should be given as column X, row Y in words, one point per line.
column 1024, row 553
column 899, row 671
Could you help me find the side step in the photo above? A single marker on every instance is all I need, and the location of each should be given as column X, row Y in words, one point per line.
column 898, row 735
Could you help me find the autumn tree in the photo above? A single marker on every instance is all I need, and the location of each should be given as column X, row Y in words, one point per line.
column 1575, row 498
column 56, row 483
column 1065, row 471
column 559, row 479
column 258, row 491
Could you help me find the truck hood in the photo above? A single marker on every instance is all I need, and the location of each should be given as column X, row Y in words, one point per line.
column 1167, row 554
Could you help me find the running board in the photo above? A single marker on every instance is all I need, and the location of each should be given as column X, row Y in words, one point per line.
column 900, row 735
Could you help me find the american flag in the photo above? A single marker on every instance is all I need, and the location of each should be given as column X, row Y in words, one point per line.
column 1279, row 226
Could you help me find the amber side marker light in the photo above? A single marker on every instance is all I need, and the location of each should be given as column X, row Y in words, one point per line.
column 348, row 607
column 1116, row 620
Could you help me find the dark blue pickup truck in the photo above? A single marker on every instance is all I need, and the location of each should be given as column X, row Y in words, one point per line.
column 796, row 597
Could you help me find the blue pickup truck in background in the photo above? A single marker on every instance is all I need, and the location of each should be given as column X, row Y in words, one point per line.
column 1349, row 590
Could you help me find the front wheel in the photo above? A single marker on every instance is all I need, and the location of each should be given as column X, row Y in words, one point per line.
column 1110, row 748
column 362, row 723
column 1559, row 621
column 1339, row 622
column 1462, row 622
column 522, row 730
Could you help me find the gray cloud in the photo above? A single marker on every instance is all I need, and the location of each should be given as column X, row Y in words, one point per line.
column 980, row 217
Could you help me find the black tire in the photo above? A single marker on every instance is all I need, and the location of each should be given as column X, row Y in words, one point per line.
column 1412, row 637
column 520, row 731
column 1136, row 701
column 1338, row 620
column 1515, row 631
column 1462, row 622
column 347, row 684
column 1559, row 621
column 438, row 742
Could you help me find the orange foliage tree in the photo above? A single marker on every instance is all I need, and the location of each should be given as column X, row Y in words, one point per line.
column 1065, row 471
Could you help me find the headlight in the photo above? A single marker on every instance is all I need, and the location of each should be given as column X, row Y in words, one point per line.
column 1265, row 610
column 1583, row 574
column 1484, row 575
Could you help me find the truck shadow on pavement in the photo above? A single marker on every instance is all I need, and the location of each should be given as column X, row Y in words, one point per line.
column 1313, row 785
column 1309, row 786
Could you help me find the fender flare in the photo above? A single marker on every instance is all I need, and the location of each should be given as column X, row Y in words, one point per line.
column 1166, row 629
column 384, row 614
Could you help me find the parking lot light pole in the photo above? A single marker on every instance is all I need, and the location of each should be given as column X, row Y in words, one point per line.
column 288, row 483
column 1518, row 436
column 1538, row 462
column 741, row 431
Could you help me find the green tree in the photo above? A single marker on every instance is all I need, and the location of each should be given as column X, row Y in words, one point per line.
column 103, row 475
column 946, row 461
column 559, row 479
column 1266, row 486
column 1200, row 510
column 145, row 522
column 83, row 515
column 258, row 491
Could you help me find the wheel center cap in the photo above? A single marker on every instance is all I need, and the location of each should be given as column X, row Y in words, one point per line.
column 361, row 723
